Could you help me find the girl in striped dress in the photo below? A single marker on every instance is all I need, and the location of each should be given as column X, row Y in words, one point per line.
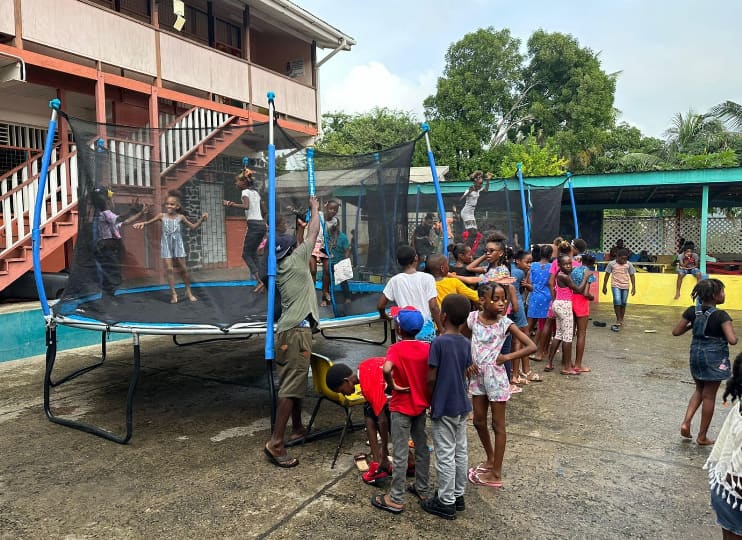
column 172, row 248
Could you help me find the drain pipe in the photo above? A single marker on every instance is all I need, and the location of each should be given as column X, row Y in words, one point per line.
column 343, row 46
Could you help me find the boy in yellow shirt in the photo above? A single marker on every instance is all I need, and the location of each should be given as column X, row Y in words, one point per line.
column 445, row 285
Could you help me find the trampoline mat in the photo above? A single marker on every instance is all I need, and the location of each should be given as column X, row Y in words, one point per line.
column 218, row 305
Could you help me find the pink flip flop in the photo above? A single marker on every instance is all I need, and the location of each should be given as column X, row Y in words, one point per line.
column 474, row 479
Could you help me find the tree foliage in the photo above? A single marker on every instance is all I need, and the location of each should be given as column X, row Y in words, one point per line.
column 729, row 112
column 481, row 81
column 571, row 91
column 550, row 108
column 492, row 90
column 536, row 160
column 366, row 132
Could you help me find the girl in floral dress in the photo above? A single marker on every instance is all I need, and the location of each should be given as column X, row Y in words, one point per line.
column 489, row 384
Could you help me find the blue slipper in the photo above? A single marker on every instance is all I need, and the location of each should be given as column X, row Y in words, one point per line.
column 615, row 328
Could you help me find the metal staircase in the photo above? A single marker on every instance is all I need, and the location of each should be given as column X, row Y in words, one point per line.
column 189, row 143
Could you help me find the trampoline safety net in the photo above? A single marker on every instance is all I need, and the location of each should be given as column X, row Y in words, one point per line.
column 144, row 195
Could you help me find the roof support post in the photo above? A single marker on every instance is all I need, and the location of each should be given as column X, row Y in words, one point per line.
column 704, row 225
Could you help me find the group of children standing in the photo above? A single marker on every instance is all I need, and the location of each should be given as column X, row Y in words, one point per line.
column 460, row 370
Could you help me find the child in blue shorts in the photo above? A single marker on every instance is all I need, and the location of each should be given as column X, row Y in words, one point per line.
column 622, row 273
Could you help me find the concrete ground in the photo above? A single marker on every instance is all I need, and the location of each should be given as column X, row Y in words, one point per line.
column 596, row 456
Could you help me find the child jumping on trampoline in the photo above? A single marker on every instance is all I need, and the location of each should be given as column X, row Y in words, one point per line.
column 471, row 198
column 172, row 248
column 109, row 249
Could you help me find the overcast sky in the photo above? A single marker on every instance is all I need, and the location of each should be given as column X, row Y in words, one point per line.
column 672, row 55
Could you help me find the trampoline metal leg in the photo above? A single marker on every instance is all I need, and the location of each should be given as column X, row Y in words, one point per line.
column 83, row 370
column 51, row 354
column 200, row 341
column 362, row 340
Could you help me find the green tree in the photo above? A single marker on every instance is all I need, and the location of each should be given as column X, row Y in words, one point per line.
column 625, row 149
column 729, row 112
column 700, row 141
column 454, row 145
column 571, row 92
column 536, row 160
column 711, row 160
column 491, row 89
column 481, row 82
column 687, row 132
column 366, row 132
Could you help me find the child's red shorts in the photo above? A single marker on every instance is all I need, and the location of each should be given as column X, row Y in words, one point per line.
column 580, row 306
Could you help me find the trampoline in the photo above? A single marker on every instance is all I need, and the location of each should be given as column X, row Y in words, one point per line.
column 229, row 308
column 134, row 170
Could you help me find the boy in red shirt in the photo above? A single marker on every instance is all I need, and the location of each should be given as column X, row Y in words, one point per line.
column 406, row 373
column 340, row 378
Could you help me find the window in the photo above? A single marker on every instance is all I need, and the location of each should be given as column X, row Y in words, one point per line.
column 197, row 24
column 138, row 9
column 227, row 37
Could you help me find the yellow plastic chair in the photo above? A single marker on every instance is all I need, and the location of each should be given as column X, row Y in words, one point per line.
column 320, row 364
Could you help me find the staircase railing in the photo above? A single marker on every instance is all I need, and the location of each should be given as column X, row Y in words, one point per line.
column 18, row 190
column 129, row 160
column 129, row 166
column 187, row 132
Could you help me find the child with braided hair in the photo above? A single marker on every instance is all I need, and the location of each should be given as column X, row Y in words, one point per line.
column 489, row 384
column 709, row 352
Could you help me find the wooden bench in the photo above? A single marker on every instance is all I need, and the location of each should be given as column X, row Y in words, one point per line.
column 665, row 263
column 664, row 267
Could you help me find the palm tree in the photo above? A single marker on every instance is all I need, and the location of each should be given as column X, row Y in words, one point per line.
column 695, row 134
column 685, row 130
column 729, row 112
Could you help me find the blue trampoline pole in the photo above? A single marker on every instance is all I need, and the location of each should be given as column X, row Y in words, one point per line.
column 356, row 258
column 433, row 171
column 270, row 354
column 54, row 105
column 574, row 206
column 526, row 227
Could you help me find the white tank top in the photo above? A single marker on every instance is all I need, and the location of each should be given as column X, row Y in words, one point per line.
column 252, row 213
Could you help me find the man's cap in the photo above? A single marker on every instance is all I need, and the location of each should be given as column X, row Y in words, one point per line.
column 284, row 243
column 409, row 320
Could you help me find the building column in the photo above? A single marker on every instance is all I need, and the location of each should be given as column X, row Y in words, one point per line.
column 155, row 18
column 18, row 19
column 155, row 167
column 64, row 141
column 704, row 225
column 100, row 100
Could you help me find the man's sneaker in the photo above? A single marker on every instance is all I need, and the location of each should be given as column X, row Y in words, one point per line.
column 460, row 504
column 434, row 506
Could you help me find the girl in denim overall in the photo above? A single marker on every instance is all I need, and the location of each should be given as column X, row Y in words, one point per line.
column 709, row 352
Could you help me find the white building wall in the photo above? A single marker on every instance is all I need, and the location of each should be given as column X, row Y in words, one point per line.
column 200, row 67
column 291, row 98
column 7, row 19
column 78, row 28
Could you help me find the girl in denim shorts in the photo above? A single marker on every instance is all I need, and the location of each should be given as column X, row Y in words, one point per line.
column 709, row 352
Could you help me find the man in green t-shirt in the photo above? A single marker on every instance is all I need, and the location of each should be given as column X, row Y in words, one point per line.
column 299, row 315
